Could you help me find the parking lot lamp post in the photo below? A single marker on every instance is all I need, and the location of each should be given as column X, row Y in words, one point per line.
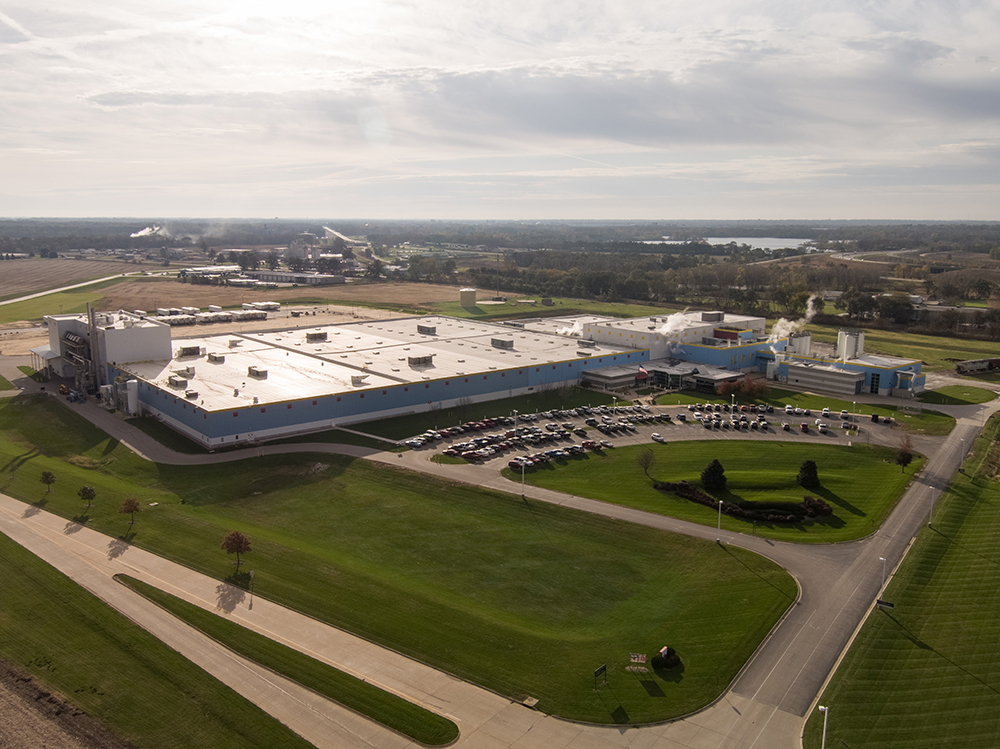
column 882, row 559
column 522, row 480
column 720, row 516
column 826, row 714
column 614, row 401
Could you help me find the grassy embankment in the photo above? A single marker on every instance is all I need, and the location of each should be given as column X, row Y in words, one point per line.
column 927, row 674
column 861, row 483
column 394, row 712
column 524, row 598
column 115, row 671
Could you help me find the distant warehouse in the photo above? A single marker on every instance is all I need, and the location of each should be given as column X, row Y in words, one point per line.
column 304, row 279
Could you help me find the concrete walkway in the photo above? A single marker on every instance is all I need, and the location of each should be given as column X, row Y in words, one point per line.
column 764, row 707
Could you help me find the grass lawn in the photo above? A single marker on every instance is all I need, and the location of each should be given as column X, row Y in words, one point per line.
column 165, row 435
column 861, row 483
column 117, row 672
column 526, row 599
column 939, row 353
column 957, row 395
column 931, row 423
column 388, row 709
column 927, row 675
column 6, row 384
column 410, row 425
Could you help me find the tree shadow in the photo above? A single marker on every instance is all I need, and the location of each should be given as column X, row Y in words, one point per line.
column 836, row 499
column 34, row 508
column 110, row 447
column 19, row 460
column 118, row 546
column 229, row 595
column 76, row 524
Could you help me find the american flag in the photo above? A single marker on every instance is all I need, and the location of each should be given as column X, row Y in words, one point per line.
column 643, row 370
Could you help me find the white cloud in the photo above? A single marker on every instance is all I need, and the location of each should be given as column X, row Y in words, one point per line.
column 467, row 107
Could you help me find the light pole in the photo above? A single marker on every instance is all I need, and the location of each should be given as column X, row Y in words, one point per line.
column 522, row 480
column 826, row 714
column 614, row 403
column 882, row 559
column 720, row 516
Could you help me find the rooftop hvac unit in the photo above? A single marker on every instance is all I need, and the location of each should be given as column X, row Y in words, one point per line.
column 176, row 381
column 257, row 372
column 185, row 372
column 358, row 379
column 587, row 344
column 427, row 329
column 217, row 358
column 234, row 342
column 420, row 361
column 713, row 316
column 190, row 394
column 189, row 351
column 316, row 336
column 507, row 343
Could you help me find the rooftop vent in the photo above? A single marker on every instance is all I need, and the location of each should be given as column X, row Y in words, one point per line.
column 217, row 358
column 258, row 372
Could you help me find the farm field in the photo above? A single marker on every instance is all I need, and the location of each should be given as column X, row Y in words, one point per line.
column 926, row 674
column 30, row 275
column 523, row 598
column 861, row 483
column 115, row 671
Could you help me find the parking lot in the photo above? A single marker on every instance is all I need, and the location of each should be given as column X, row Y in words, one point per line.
column 524, row 440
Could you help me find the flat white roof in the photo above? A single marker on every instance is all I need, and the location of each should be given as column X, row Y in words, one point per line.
column 379, row 350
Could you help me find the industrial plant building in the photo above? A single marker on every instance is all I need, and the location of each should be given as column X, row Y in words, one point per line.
column 232, row 388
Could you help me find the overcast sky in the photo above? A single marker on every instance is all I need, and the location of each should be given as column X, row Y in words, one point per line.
column 490, row 109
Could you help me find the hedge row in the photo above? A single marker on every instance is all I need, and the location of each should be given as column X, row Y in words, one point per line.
column 792, row 513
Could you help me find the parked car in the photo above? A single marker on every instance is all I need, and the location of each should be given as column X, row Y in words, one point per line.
column 657, row 437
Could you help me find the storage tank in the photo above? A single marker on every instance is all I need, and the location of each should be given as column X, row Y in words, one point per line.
column 132, row 396
column 468, row 297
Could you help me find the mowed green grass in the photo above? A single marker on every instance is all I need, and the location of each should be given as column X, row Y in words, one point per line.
column 524, row 598
column 117, row 672
column 361, row 696
column 560, row 306
column 861, row 483
column 5, row 384
column 932, row 423
column 957, row 395
column 927, row 675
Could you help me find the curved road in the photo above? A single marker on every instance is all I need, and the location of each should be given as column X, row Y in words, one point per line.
column 764, row 707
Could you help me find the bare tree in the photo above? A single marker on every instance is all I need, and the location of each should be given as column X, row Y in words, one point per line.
column 236, row 543
column 130, row 507
column 48, row 478
column 904, row 453
column 645, row 460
